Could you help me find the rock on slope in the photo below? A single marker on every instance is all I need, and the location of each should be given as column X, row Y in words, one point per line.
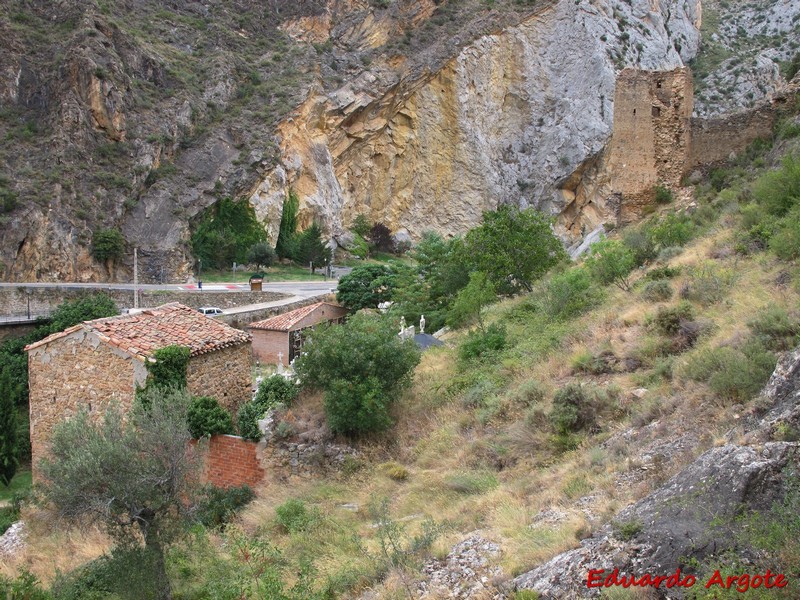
column 693, row 515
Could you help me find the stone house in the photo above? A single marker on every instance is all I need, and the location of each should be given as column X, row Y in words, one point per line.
column 279, row 338
column 99, row 362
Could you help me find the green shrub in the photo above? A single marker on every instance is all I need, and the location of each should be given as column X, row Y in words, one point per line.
column 668, row 253
column 610, row 261
column 272, row 392
column 640, row 245
column 124, row 574
column 588, row 362
column 108, row 244
column 785, row 241
column 483, row 343
column 247, row 420
column 672, row 229
column 363, row 366
column 525, row 595
column 657, row 291
column 294, row 516
column 575, row 408
column 663, row 195
column 529, row 393
column 736, row 374
column 779, row 191
column 708, row 285
column 775, row 328
column 23, row 587
column 8, row 516
column 216, row 506
column 569, row 294
column 663, row 272
column 668, row 319
column 226, row 232
column 357, row 407
column 206, row 417
column 276, row 390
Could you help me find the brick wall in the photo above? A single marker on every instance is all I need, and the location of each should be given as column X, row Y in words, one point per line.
column 224, row 374
column 232, row 461
column 267, row 345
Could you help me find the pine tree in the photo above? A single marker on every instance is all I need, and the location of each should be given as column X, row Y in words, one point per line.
column 287, row 234
column 311, row 248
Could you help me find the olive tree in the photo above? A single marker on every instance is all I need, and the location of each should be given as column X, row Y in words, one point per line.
column 134, row 475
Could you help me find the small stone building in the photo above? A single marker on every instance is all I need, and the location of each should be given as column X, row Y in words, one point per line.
column 99, row 362
column 279, row 338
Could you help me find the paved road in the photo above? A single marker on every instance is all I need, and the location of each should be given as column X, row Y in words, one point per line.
column 308, row 288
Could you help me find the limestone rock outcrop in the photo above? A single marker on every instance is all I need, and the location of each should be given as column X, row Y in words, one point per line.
column 507, row 119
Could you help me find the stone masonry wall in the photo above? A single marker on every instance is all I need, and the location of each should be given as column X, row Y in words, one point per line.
column 232, row 462
column 224, row 374
column 43, row 300
column 714, row 140
column 74, row 372
column 652, row 135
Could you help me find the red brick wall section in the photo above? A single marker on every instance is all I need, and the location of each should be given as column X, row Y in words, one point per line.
column 232, row 462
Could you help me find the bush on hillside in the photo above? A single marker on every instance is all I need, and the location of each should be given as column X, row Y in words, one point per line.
column 570, row 293
column 775, row 328
column 206, row 417
column 217, row 506
column 611, row 262
column 657, row 291
column 480, row 344
column 778, row 191
column 575, row 408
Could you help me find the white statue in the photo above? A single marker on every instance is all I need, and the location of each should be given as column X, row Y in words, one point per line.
column 422, row 324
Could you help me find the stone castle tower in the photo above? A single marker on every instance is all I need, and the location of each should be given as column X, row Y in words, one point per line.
column 651, row 143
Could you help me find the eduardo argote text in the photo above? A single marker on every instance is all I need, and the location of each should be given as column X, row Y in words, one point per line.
column 599, row 578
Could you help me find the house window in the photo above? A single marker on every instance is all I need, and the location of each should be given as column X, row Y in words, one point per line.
column 656, row 111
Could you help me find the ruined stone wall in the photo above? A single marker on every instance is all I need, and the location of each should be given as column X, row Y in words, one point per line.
column 74, row 372
column 715, row 140
column 224, row 374
column 651, row 140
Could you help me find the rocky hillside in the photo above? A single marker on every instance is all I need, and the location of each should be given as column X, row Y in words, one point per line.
column 746, row 52
column 138, row 115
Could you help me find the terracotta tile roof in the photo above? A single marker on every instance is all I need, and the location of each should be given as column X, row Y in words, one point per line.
column 287, row 320
column 143, row 333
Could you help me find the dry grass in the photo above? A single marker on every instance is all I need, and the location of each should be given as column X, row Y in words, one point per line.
column 52, row 547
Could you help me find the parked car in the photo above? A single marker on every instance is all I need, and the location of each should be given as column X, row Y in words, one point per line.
column 211, row 311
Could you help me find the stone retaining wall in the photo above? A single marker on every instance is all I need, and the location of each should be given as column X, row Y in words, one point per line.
column 43, row 300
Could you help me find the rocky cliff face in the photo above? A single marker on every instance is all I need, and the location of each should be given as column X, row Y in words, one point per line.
column 504, row 121
column 138, row 115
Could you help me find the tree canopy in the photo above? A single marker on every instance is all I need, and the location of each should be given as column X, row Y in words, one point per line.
column 362, row 366
column 367, row 286
column 225, row 233
column 513, row 247
column 136, row 477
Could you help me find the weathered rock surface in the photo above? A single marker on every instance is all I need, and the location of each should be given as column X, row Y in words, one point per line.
column 750, row 41
column 466, row 573
column 418, row 113
column 13, row 540
column 503, row 122
column 689, row 517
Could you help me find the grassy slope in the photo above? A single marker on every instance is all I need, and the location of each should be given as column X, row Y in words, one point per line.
column 475, row 441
